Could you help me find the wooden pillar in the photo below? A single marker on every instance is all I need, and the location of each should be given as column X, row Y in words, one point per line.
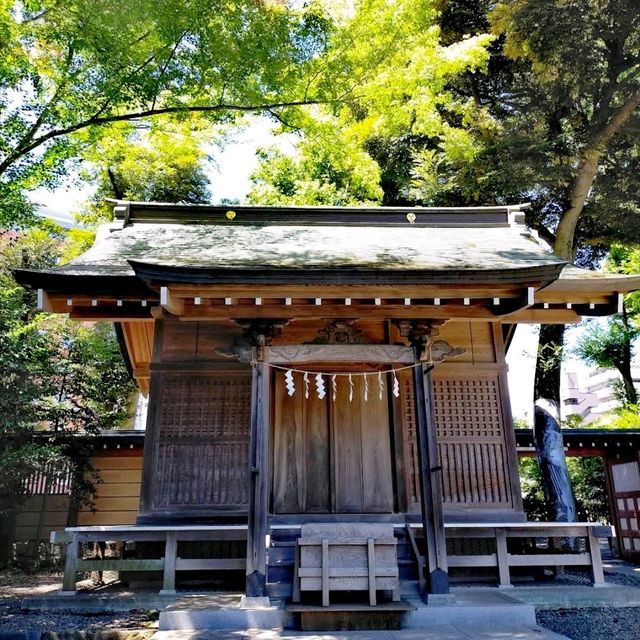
column 70, row 566
column 258, row 470
column 437, row 576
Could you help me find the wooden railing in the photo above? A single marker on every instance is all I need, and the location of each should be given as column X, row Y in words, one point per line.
column 169, row 563
column 503, row 560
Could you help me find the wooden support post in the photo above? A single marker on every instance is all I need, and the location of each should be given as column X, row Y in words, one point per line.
column 437, row 577
column 596, row 559
column 325, row 572
column 502, row 557
column 170, row 557
column 296, row 575
column 371, row 561
column 70, row 566
column 256, row 585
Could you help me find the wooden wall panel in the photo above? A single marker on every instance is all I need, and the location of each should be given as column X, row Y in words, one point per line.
column 117, row 498
column 332, row 456
column 300, row 452
column 191, row 342
column 40, row 515
column 117, row 491
column 477, row 338
column 200, row 454
column 304, row 331
column 474, row 440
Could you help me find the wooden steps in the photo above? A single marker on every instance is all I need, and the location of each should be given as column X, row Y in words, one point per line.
column 349, row 616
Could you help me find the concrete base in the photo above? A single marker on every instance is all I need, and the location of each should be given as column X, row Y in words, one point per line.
column 471, row 607
column 468, row 607
column 221, row 612
column 561, row 597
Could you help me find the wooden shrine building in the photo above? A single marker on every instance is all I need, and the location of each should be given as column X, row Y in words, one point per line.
column 324, row 365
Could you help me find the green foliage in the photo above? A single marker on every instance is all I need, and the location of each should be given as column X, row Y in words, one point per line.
column 521, row 423
column 574, row 421
column 625, row 258
column 533, row 499
column 587, row 480
column 605, row 346
column 75, row 66
column 348, row 153
column 627, row 417
column 58, row 376
column 337, row 174
column 163, row 163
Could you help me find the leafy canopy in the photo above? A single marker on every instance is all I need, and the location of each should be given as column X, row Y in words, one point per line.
column 78, row 65
column 395, row 47
column 57, row 375
column 161, row 162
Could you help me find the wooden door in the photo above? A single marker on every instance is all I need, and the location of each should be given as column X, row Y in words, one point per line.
column 301, row 473
column 331, row 456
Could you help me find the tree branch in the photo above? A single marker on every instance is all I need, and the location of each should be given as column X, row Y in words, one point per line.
column 146, row 113
column 586, row 173
column 166, row 65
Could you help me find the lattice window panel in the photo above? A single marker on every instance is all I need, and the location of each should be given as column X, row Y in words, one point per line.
column 204, row 407
column 202, row 442
column 410, row 442
column 471, row 442
column 468, row 407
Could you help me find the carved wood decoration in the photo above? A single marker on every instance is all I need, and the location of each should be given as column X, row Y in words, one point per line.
column 340, row 332
column 201, row 444
column 375, row 353
column 471, row 441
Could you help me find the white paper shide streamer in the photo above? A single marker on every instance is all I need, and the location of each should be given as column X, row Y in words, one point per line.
column 396, row 386
column 320, row 390
column 289, row 382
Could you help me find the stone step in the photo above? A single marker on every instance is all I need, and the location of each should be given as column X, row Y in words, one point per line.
column 208, row 613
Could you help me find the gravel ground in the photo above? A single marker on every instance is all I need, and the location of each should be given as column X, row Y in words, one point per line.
column 13, row 619
column 597, row 623
column 608, row 623
column 605, row 623
column 15, row 585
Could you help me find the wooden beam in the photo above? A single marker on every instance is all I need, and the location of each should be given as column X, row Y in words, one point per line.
column 576, row 297
column 415, row 311
column 93, row 314
column 346, row 291
column 170, row 302
column 437, row 576
column 376, row 353
column 547, row 316
column 256, row 581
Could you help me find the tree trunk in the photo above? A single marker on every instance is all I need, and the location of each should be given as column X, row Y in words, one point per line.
column 624, row 367
column 546, row 430
column 7, row 532
column 547, row 434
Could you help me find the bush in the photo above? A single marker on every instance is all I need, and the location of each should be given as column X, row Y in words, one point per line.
column 587, row 480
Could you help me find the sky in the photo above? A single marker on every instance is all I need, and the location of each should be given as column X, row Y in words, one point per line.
column 229, row 174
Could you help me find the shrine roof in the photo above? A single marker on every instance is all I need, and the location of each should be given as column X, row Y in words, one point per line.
column 439, row 241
